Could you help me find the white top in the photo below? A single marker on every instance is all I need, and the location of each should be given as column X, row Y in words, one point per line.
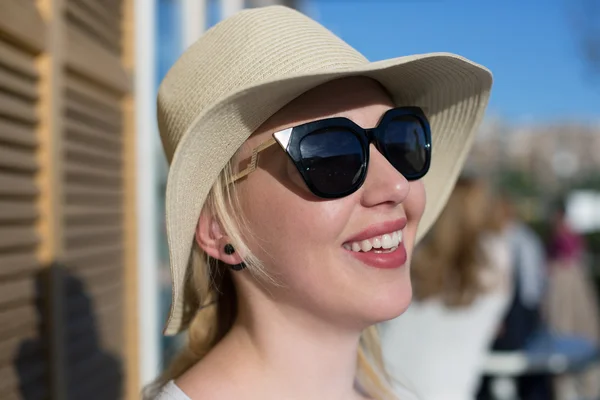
column 171, row 392
column 441, row 351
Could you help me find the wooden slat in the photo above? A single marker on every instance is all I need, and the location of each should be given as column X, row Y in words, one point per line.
column 93, row 155
column 92, row 236
column 17, row 236
column 108, row 264
column 91, row 242
column 24, row 262
column 105, row 292
column 85, row 191
column 17, row 185
column 114, row 7
column 101, row 277
column 81, row 133
column 22, row 318
column 17, row 61
column 100, row 202
column 92, row 231
column 17, row 211
column 20, row 134
column 96, row 28
column 78, row 215
column 102, row 295
column 92, row 115
column 105, row 277
column 9, row 379
column 90, row 59
column 15, row 133
column 77, row 86
column 16, row 84
column 92, row 257
column 93, row 176
column 109, row 17
column 16, row 291
column 18, row 159
column 21, row 21
column 18, row 109
column 90, row 196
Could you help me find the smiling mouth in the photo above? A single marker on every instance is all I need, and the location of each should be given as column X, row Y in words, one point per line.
column 385, row 243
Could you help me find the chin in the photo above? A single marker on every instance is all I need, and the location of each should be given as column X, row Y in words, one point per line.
column 391, row 301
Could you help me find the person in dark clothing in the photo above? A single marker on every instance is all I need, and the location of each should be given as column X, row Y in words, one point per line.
column 523, row 318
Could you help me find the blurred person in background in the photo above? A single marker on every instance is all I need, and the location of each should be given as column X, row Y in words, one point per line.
column 572, row 308
column 462, row 287
column 523, row 319
column 295, row 197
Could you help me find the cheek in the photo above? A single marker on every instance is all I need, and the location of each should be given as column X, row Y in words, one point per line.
column 284, row 226
column 414, row 207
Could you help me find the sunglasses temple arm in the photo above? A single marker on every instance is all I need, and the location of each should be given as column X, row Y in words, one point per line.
column 253, row 160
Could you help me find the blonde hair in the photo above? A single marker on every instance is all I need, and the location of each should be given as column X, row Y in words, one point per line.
column 448, row 263
column 210, row 281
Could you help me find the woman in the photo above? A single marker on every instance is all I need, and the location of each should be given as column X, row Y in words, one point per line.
column 291, row 225
column 461, row 278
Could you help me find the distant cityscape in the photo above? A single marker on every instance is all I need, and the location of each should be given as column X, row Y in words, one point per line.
column 551, row 155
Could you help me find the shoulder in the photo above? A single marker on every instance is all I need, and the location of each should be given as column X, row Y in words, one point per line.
column 215, row 377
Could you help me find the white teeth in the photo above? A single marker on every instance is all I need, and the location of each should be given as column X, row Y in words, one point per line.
column 365, row 245
column 386, row 241
column 377, row 243
column 395, row 239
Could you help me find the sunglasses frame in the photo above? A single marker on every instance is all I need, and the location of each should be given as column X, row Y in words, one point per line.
column 289, row 139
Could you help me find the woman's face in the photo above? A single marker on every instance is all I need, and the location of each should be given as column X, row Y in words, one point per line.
column 305, row 242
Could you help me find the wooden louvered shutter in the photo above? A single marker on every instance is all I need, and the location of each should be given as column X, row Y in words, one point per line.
column 23, row 362
column 67, row 264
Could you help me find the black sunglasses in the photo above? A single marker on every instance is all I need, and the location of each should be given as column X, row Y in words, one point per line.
column 332, row 155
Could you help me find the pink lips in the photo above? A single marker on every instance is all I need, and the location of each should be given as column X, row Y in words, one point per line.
column 390, row 260
column 379, row 229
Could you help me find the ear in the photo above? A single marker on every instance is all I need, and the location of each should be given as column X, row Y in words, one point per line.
column 212, row 239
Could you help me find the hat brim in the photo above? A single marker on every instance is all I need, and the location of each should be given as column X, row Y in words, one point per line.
column 453, row 90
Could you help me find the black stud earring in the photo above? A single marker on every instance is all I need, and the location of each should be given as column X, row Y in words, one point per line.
column 230, row 250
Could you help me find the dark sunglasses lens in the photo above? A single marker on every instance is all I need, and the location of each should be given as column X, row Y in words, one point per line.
column 333, row 160
column 405, row 145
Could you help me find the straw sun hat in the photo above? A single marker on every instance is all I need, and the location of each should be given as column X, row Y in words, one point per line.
column 249, row 66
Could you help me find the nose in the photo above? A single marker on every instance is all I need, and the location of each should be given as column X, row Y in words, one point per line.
column 383, row 184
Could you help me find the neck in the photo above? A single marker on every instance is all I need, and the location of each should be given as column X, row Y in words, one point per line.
column 294, row 355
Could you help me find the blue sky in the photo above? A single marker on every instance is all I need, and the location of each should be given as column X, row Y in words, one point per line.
column 529, row 46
